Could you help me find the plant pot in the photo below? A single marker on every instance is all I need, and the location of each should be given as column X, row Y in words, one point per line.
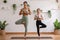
column 2, row 28
column 3, row 34
column 57, row 31
column 2, row 31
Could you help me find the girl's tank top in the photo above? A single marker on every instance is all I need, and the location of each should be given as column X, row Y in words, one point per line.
column 39, row 16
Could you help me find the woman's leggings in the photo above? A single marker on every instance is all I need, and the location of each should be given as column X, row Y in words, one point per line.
column 38, row 22
column 25, row 21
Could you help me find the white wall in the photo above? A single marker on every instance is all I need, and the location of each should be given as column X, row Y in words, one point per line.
column 59, row 10
column 45, row 5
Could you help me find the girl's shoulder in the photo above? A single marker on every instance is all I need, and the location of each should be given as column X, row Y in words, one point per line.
column 36, row 15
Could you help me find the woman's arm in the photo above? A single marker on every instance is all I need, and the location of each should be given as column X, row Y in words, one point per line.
column 29, row 11
column 21, row 12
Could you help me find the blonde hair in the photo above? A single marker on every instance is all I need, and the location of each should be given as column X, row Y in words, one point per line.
column 39, row 9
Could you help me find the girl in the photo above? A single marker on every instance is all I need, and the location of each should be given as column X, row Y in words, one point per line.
column 38, row 18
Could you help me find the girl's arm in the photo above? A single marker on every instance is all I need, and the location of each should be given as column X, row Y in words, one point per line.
column 40, row 18
column 35, row 18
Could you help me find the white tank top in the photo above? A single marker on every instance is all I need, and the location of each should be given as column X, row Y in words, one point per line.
column 40, row 15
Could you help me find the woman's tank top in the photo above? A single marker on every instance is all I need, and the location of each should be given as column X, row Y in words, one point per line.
column 25, row 10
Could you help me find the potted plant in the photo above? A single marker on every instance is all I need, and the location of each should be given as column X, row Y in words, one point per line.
column 14, row 7
column 57, row 27
column 49, row 13
column 28, row 5
column 5, row 1
column 2, row 27
column 34, row 11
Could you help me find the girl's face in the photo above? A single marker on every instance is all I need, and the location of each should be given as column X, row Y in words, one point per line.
column 38, row 11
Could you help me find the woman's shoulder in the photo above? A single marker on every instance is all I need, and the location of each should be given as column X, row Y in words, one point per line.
column 28, row 8
column 22, row 8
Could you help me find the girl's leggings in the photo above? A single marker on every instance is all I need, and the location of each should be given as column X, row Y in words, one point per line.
column 38, row 22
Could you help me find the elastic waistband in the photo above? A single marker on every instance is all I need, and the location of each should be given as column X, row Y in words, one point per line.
column 39, row 20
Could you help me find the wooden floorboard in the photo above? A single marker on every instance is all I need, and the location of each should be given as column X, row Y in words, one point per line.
column 31, row 37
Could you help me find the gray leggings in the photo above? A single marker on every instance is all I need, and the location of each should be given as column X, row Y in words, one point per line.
column 21, row 21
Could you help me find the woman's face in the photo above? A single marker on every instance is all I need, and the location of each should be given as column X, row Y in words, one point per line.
column 25, row 4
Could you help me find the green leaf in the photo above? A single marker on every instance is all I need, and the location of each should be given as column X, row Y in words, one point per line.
column 28, row 5
column 57, row 24
column 49, row 12
column 14, row 6
column 3, row 25
column 34, row 11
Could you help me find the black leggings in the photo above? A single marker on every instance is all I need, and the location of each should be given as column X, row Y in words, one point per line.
column 38, row 22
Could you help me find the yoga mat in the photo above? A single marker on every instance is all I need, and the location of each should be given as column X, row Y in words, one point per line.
column 31, row 38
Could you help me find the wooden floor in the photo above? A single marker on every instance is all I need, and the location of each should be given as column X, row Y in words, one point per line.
column 8, row 36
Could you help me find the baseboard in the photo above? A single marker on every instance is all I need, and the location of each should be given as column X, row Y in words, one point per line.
column 29, row 32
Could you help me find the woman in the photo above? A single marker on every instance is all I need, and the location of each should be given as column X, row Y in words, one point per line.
column 25, row 11
column 38, row 18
